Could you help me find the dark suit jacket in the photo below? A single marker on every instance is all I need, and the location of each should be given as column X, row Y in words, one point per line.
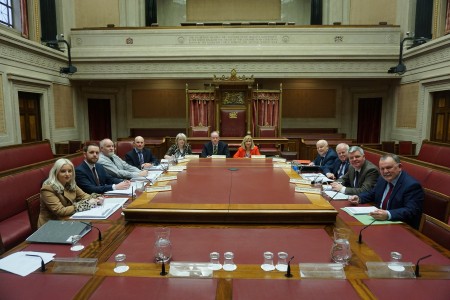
column 132, row 158
column 222, row 149
column 337, row 165
column 368, row 176
column 406, row 200
column 86, row 181
column 328, row 161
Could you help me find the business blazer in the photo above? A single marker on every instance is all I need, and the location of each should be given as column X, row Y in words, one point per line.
column 86, row 181
column 56, row 206
column 132, row 158
column 405, row 202
column 368, row 176
column 222, row 149
column 119, row 168
column 327, row 162
column 337, row 165
column 240, row 153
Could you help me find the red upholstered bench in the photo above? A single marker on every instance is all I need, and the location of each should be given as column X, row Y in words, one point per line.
column 435, row 153
column 15, row 156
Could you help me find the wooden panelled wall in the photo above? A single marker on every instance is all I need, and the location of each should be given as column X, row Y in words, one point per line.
column 171, row 103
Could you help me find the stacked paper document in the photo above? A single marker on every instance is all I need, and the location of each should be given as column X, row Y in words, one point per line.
column 360, row 210
column 99, row 212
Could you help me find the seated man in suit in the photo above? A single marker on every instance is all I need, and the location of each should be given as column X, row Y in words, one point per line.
column 140, row 157
column 91, row 177
column 325, row 157
column 341, row 164
column 398, row 196
column 114, row 165
column 215, row 147
column 361, row 176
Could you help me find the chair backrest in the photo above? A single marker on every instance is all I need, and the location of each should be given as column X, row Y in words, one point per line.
column 123, row 147
column 34, row 208
column 388, row 146
column 436, row 205
column 2, row 247
column 267, row 131
column 436, row 230
column 200, row 131
column 405, row 148
column 74, row 146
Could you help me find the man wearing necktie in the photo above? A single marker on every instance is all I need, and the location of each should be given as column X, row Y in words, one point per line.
column 341, row 164
column 397, row 194
column 140, row 157
column 361, row 176
column 215, row 147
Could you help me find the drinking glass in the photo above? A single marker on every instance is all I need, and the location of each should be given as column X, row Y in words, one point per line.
column 340, row 251
column 228, row 263
column 282, row 262
column 395, row 263
column 76, row 245
column 214, row 261
column 121, row 266
column 163, row 246
column 268, row 262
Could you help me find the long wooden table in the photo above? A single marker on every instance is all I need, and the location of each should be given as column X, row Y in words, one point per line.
column 231, row 191
column 308, row 243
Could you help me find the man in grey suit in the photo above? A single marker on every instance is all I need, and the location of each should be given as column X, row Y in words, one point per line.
column 114, row 165
column 361, row 176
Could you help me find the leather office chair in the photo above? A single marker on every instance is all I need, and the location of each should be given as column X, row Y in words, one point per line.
column 436, row 230
column 436, row 205
column 268, row 132
column 34, row 208
column 123, row 147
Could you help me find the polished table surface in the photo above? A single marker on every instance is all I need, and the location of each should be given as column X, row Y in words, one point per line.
column 308, row 243
column 231, row 191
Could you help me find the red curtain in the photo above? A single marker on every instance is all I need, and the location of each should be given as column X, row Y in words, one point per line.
column 265, row 109
column 201, row 107
column 24, row 18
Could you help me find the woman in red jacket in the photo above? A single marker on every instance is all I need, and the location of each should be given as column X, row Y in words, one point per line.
column 247, row 148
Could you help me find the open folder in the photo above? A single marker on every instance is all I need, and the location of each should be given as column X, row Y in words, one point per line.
column 59, row 232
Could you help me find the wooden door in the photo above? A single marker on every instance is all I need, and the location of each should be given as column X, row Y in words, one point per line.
column 30, row 117
column 440, row 121
column 99, row 112
column 369, row 120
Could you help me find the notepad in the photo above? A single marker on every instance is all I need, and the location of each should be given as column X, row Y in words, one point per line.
column 360, row 210
column 58, row 232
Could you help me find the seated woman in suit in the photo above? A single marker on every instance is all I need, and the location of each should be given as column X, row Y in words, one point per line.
column 180, row 148
column 247, row 148
column 60, row 195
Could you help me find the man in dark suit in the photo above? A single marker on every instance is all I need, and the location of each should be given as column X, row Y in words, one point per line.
column 215, row 147
column 325, row 157
column 361, row 176
column 398, row 196
column 140, row 157
column 91, row 177
column 341, row 164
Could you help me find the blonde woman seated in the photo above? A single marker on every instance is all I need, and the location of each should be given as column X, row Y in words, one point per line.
column 61, row 197
column 247, row 148
column 180, row 148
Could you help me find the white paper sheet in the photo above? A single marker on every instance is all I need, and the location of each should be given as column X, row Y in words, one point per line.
column 21, row 264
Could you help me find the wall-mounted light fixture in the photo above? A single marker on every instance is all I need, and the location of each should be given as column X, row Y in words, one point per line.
column 400, row 69
column 70, row 69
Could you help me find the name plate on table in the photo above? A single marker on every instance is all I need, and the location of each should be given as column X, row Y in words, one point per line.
column 177, row 168
column 299, row 181
column 167, row 178
column 307, row 190
column 192, row 156
column 191, row 269
column 278, row 159
column 281, row 165
column 258, row 157
column 377, row 269
column 218, row 156
column 164, row 188
column 321, row 270
column 75, row 265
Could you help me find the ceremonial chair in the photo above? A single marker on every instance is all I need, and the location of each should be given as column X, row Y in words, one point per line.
column 268, row 132
column 199, row 131
column 436, row 230
column 34, row 208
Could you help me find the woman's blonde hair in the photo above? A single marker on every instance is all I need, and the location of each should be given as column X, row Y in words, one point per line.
column 53, row 181
column 180, row 136
column 246, row 139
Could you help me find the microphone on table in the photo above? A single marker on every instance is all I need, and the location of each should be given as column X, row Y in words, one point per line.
column 92, row 226
column 416, row 272
column 314, row 180
column 360, row 232
column 42, row 261
column 332, row 198
column 288, row 272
